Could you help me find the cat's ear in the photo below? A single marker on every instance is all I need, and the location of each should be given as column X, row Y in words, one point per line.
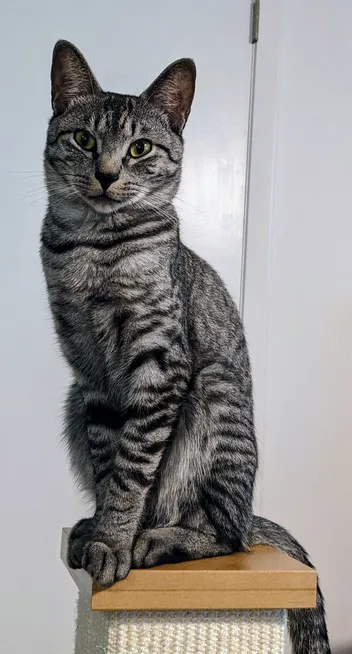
column 173, row 91
column 70, row 76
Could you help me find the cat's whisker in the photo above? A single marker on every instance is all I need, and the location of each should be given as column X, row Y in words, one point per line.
column 160, row 416
column 24, row 172
column 161, row 211
column 192, row 206
column 168, row 216
column 33, row 192
column 157, row 195
column 36, row 201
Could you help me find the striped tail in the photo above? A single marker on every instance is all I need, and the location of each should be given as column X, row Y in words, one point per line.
column 307, row 627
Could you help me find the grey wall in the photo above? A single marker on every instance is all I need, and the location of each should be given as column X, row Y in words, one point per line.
column 127, row 43
column 299, row 284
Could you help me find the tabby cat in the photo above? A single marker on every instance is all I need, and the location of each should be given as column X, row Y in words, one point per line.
column 159, row 417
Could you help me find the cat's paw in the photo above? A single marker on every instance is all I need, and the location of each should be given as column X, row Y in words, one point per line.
column 104, row 564
column 152, row 547
column 79, row 536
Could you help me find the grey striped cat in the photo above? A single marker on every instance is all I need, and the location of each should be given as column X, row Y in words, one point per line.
column 159, row 417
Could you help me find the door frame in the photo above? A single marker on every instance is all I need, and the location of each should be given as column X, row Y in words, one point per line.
column 261, row 182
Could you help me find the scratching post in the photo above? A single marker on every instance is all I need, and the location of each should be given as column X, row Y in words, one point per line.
column 178, row 632
column 227, row 605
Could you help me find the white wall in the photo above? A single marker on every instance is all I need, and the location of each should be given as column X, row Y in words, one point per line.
column 127, row 43
column 298, row 309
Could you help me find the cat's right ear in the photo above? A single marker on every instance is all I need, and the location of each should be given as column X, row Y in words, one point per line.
column 70, row 76
column 172, row 92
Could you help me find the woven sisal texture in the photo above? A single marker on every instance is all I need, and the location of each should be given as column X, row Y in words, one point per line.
column 178, row 632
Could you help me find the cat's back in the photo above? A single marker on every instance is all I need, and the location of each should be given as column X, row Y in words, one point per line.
column 214, row 321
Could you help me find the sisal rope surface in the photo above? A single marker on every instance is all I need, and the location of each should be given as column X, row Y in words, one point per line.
column 178, row 632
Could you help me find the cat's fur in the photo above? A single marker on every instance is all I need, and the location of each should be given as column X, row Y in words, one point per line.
column 159, row 417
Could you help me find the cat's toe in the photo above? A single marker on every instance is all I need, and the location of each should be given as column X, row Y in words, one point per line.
column 75, row 553
column 104, row 564
column 140, row 550
column 152, row 548
column 100, row 562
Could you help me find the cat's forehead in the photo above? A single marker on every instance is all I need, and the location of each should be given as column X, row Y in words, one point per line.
column 114, row 112
column 113, row 115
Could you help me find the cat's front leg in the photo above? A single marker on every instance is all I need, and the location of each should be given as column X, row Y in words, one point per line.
column 125, row 461
column 80, row 534
column 107, row 552
column 122, row 487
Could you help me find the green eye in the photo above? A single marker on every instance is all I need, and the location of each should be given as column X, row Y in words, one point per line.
column 85, row 139
column 140, row 148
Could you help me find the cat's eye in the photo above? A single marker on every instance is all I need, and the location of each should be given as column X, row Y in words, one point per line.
column 140, row 148
column 84, row 139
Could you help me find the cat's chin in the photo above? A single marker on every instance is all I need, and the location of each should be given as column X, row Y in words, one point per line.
column 103, row 205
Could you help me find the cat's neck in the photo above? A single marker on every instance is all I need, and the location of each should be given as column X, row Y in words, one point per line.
column 78, row 223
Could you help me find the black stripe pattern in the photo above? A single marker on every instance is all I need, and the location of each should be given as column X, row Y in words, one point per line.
column 159, row 419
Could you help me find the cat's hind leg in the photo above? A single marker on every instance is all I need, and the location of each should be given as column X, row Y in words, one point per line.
column 175, row 544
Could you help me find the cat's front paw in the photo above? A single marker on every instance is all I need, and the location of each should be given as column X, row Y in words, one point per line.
column 79, row 536
column 104, row 564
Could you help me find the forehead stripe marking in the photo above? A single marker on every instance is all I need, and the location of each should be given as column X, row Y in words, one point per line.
column 168, row 152
column 62, row 133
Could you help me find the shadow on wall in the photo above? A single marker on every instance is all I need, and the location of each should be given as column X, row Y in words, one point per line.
column 345, row 649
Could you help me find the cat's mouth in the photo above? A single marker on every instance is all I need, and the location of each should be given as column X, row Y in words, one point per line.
column 104, row 204
column 104, row 199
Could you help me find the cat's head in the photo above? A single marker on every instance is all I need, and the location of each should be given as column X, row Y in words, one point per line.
column 112, row 151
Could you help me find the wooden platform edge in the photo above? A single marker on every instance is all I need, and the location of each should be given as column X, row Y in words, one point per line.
column 262, row 579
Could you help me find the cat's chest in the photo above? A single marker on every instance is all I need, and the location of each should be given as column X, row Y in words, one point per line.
column 92, row 273
column 84, row 276
column 87, row 297
column 87, row 329
column 99, row 304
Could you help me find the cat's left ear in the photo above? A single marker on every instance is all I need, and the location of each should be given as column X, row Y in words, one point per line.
column 70, row 76
column 173, row 91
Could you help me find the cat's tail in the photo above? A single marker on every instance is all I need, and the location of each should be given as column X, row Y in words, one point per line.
column 307, row 627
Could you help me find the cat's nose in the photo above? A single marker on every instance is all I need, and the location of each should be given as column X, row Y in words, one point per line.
column 106, row 179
